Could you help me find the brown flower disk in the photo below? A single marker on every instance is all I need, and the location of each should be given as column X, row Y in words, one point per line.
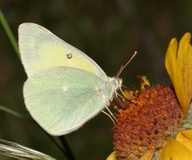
column 149, row 117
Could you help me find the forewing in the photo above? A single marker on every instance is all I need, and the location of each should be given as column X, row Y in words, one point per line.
column 40, row 49
column 62, row 99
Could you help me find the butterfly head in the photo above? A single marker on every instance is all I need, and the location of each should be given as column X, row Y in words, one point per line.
column 115, row 84
column 118, row 83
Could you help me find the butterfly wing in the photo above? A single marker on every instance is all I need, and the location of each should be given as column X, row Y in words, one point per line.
column 41, row 49
column 62, row 99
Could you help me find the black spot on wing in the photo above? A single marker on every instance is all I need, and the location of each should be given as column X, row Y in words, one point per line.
column 69, row 56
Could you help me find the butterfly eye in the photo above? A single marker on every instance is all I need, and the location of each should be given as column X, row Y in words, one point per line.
column 69, row 56
column 118, row 83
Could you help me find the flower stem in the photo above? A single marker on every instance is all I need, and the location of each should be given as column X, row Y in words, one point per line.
column 9, row 33
column 69, row 153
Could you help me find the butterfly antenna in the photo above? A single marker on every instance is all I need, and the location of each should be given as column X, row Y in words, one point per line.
column 122, row 67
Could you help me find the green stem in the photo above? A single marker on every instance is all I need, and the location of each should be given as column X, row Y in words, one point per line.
column 9, row 33
column 14, row 113
column 69, row 153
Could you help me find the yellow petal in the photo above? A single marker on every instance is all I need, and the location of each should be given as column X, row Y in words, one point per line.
column 145, row 82
column 184, row 58
column 129, row 94
column 185, row 138
column 174, row 71
column 148, row 155
column 174, row 150
column 112, row 156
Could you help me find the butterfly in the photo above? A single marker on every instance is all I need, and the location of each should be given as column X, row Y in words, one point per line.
column 65, row 88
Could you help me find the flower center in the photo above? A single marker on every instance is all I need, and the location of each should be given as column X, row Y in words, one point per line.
column 149, row 117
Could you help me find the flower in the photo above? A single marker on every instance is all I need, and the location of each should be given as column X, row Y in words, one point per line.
column 178, row 62
column 152, row 122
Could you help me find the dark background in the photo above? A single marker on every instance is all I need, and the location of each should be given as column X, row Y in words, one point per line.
column 107, row 31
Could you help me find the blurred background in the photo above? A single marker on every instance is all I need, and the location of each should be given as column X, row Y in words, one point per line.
column 107, row 31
